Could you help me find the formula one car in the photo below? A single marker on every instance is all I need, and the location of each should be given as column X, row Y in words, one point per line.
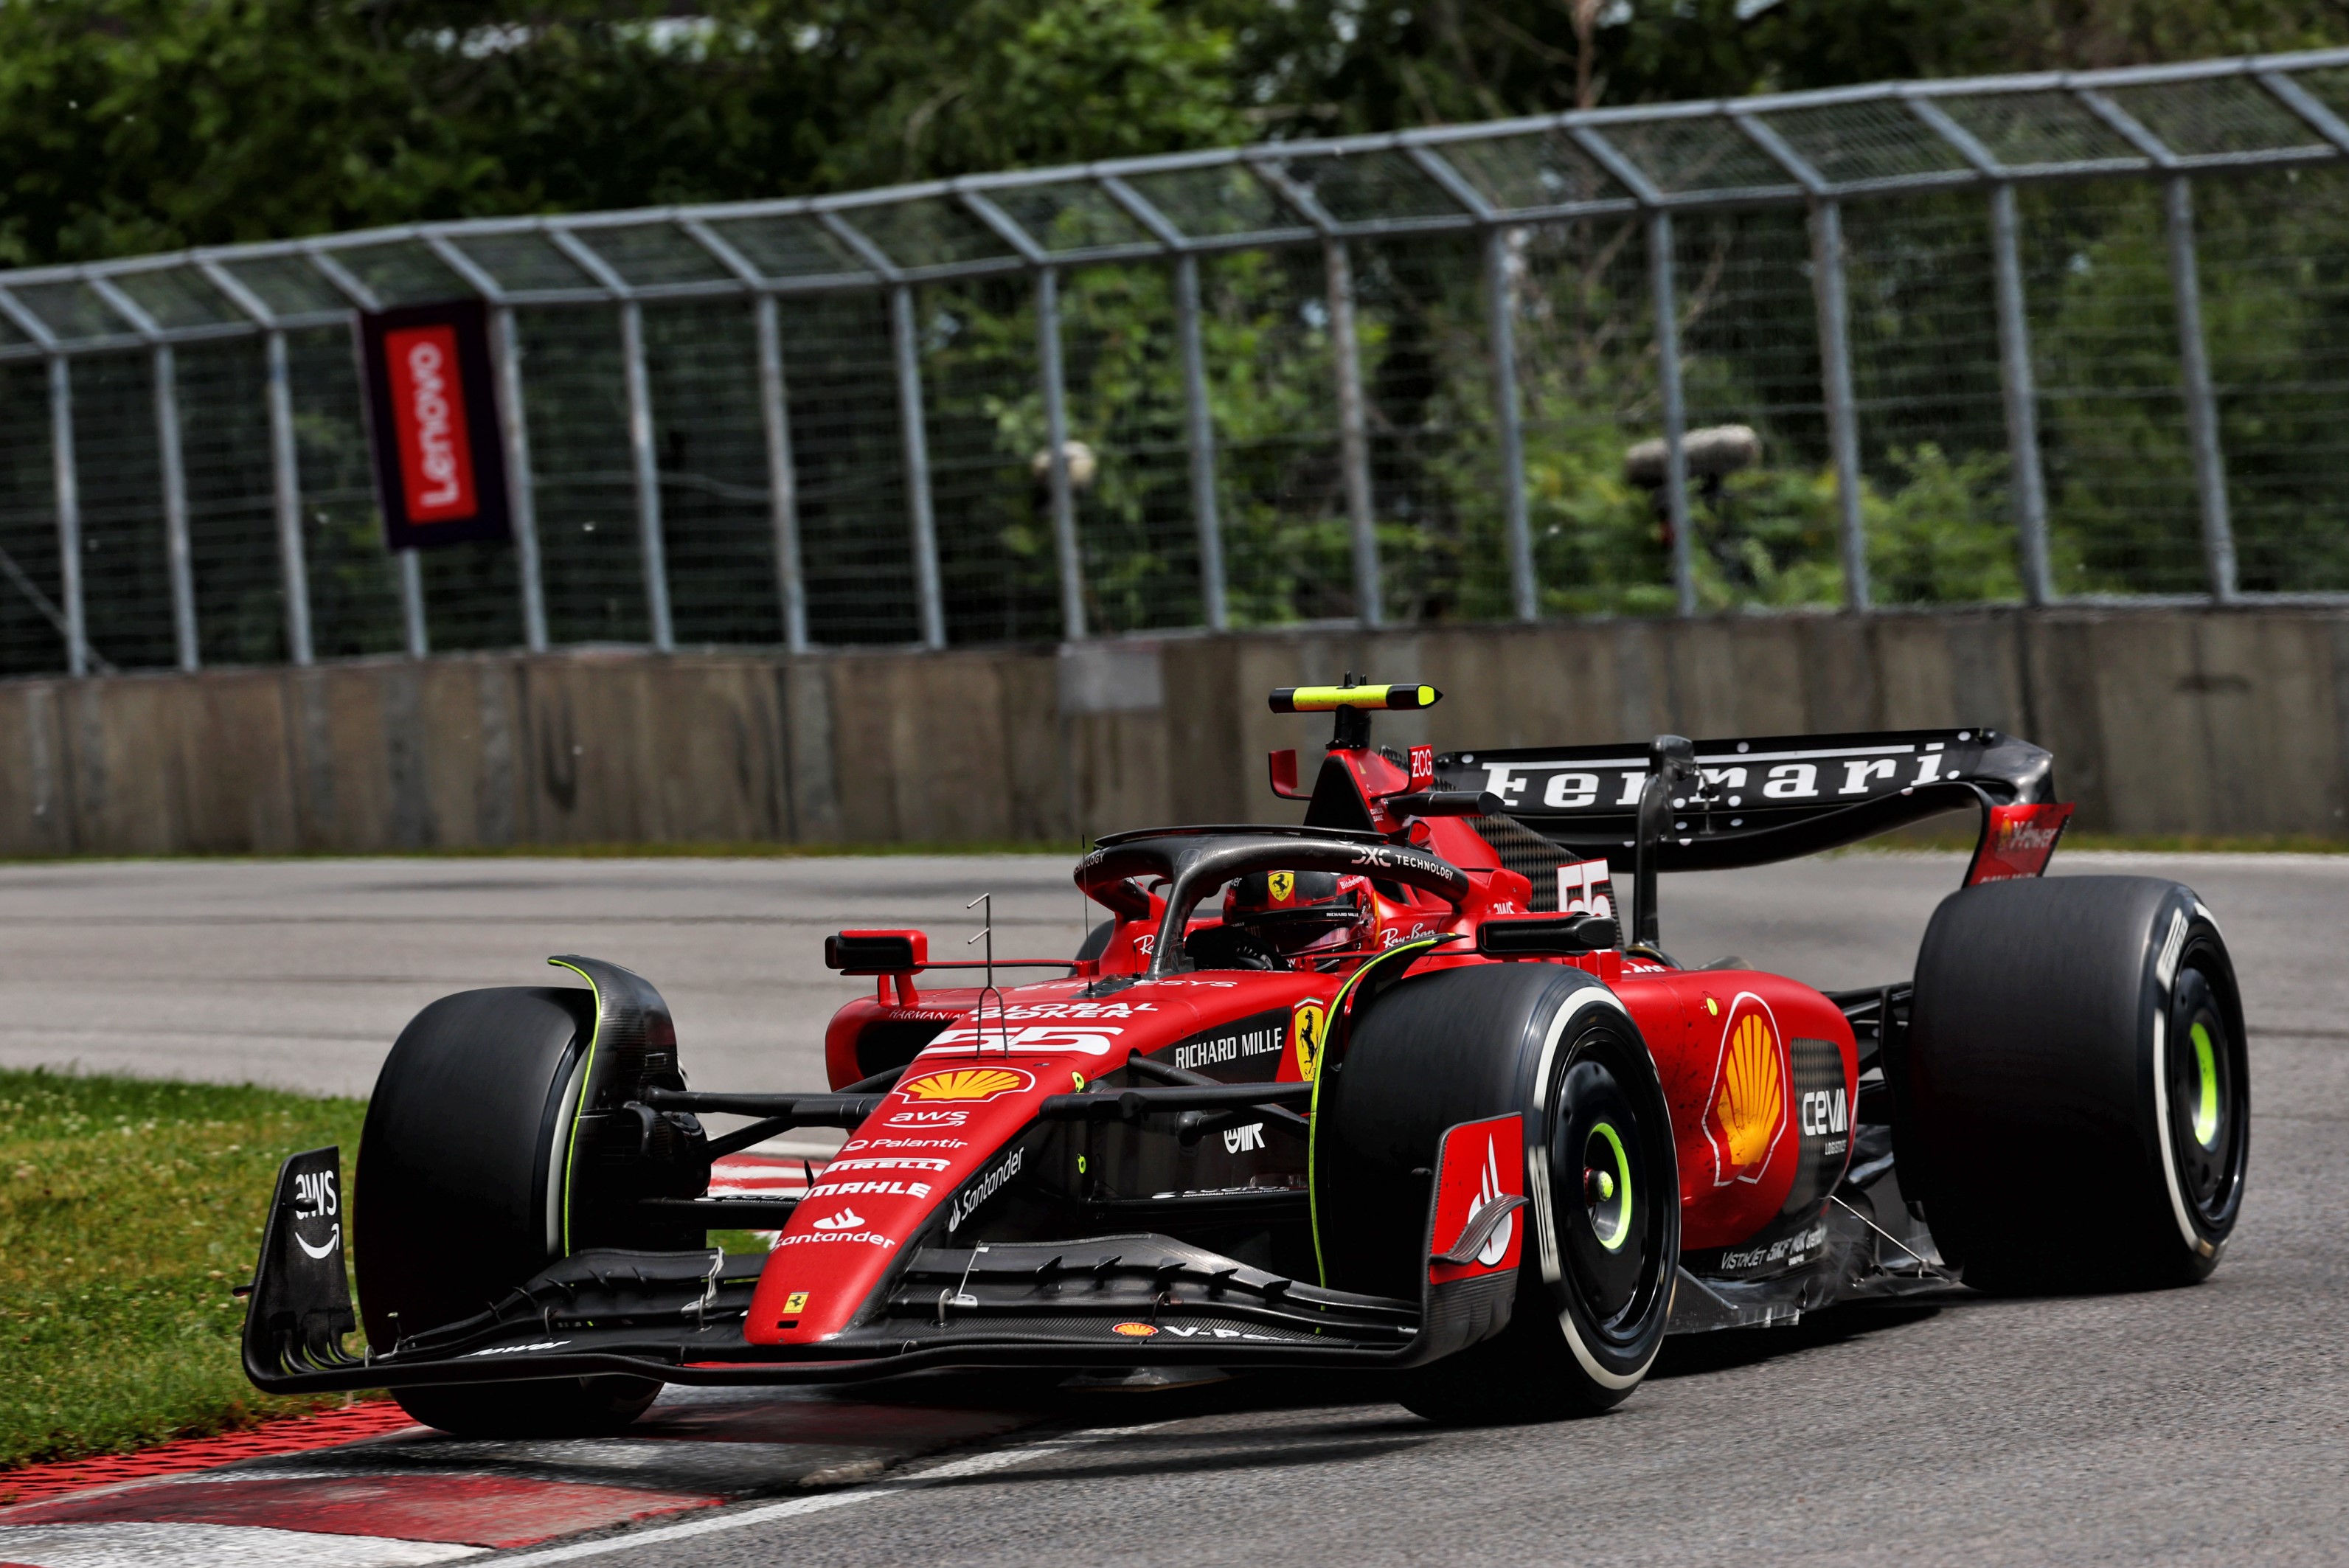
column 1411, row 1088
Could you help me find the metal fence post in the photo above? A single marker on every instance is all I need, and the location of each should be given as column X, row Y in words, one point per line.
column 1200, row 422
column 1843, row 419
column 178, row 550
column 783, row 476
column 2201, row 404
column 1198, row 416
column 1056, row 440
column 1501, row 341
column 411, row 603
column 68, row 477
column 522, row 497
column 1353, row 434
column 1668, row 383
column 928, row 589
column 286, row 467
column 648, row 467
column 2027, row 482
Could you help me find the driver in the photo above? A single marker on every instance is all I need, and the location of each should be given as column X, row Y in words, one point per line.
column 1300, row 914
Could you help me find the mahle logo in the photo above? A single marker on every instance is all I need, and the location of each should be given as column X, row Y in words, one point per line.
column 1747, row 1109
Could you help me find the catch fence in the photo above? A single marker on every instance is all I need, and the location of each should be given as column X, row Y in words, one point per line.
column 2019, row 339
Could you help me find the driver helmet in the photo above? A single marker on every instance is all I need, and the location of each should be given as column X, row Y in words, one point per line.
column 1298, row 912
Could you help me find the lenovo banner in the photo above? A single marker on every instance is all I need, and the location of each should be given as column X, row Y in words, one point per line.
column 440, row 465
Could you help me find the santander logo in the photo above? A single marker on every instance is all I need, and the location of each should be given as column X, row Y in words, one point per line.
column 428, row 400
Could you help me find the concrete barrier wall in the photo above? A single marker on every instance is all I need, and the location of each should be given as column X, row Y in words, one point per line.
column 2162, row 721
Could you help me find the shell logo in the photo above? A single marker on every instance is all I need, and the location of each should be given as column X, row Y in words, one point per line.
column 1746, row 1112
column 966, row 1084
column 1134, row 1330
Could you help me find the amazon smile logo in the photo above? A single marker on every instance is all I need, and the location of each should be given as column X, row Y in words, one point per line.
column 315, row 1198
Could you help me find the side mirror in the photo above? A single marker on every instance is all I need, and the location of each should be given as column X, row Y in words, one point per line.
column 1547, row 936
column 1445, row 802
column 877, row 953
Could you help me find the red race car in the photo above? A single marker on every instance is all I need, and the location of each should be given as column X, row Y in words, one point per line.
column 1413, row 1088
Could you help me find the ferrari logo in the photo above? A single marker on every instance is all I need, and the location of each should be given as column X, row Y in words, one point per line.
column 1284, row 885
column 1307, row 1025
column 795, row 1302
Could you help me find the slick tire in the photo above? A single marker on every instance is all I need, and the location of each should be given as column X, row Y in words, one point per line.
column 1554, row 1045
column 2075, row 1099
column 461, row 1194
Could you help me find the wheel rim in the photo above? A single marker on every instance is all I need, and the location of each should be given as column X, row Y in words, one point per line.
column 2205, row 1100
column 1604, row 1197
column 1608, row 1187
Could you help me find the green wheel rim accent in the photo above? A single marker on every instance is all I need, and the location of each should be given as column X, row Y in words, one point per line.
column 2206, row 1110
column 1613, row 1238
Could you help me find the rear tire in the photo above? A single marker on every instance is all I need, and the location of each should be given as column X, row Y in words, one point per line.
column 2074, row 1103
column 1594, row 1291
column 464, row 1153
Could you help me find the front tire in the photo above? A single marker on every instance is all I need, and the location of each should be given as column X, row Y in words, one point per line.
column 1594, row 1291
column 2075, row 1098
column 465, row 1153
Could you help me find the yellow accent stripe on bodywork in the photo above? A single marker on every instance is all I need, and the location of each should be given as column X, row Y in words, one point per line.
column 1313, row 1108
column 586, row 1082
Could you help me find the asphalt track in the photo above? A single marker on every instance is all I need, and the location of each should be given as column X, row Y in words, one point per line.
column 2186, row 1426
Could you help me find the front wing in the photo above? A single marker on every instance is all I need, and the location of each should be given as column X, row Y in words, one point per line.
column 1132, row 1299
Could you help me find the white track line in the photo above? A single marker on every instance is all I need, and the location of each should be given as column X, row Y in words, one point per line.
column 953, row 1470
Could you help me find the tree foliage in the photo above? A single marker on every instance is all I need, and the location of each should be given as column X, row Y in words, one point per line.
column 133, row 125
column 130, row 126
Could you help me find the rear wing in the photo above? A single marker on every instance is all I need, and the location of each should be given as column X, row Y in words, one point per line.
column 1763, row 799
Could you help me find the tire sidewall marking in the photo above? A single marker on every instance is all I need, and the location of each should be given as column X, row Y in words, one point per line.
column 1575, row 1004
column 2165, row 968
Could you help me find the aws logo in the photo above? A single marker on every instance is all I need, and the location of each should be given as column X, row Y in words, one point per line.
column 1746, row 1114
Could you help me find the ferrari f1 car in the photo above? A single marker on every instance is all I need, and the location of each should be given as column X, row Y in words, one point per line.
column 1413, row 1088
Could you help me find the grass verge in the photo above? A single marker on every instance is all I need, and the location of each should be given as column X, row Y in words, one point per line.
column 128, row 1208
